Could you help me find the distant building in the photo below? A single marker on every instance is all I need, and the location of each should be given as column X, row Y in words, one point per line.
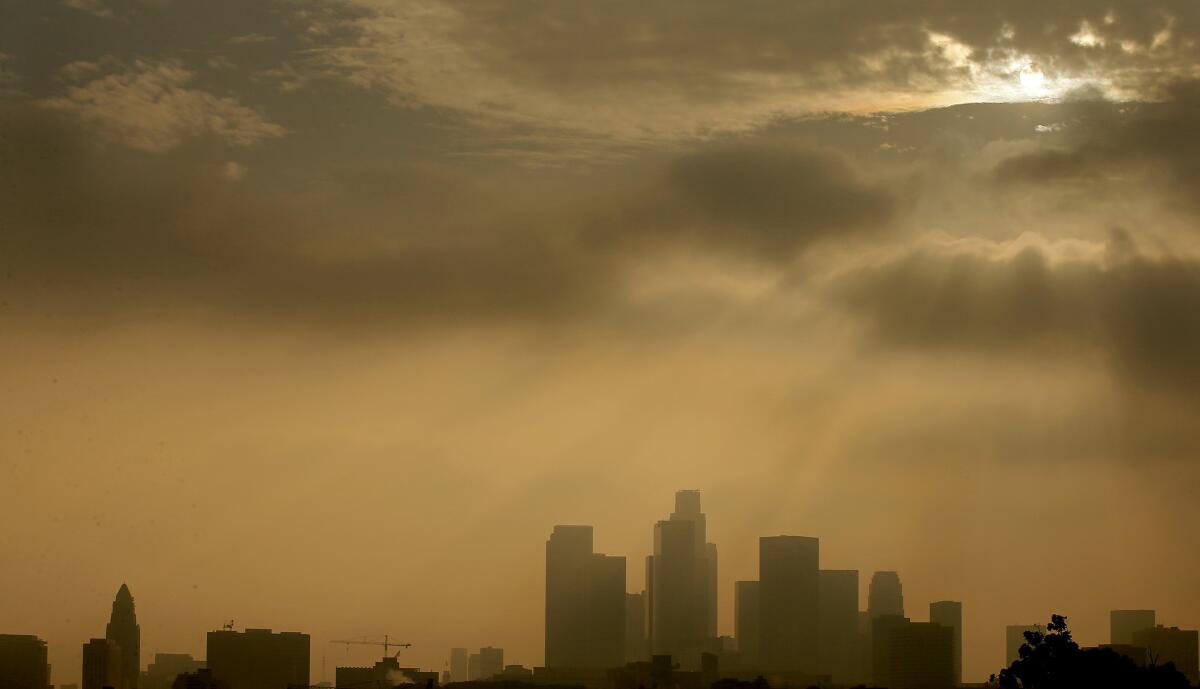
column 473, row 667
column 746, row 621
column 200, row 679
column 23, row 662
column 1014, row 638
column 681, row 579
column 259, row 658
column 1123, row 623
column 125, row 631
column 886, row 595
column 948, row 613
column 491, row 660
column 101, row 664
column 384, row 673
column 458, row 665
column 161, row 673
column 921, row 656
column 788, row 603
column 838, row 615
column 1172, row 645
column 881, row 647
column 585, row 603
column 637, row 645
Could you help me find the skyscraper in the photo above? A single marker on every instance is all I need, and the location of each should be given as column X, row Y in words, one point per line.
column 491, row 661
column 682, row 589
column 636, row 644
column 1123, row 623
column 838, row 643
column 948, row 613
column 125, row 631
column 101, row 664
column 585, row 602
column 886, row 595
column 458, row 664
column 1172, row 645
column 788, row 603
column 23, row 662
column 746, row 621
column 259, row 658
column 921, row 656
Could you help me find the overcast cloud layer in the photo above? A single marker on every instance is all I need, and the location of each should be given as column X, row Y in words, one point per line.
column 475, row 269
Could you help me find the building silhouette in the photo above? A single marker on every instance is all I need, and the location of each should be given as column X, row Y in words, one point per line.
column 746, row 622
column 101, row 664
column 682, row 584
column 384, row 673
column 473, row 667
column 125, row 631
column 259, row 658
column 1014, row 638
column 838, row 615
column 585, row 604
column 491, row 660
column 23, row 662
column 202, row 678
column 948, row 613
column 886, row 595
column 1123, row 623
column 161, row 673
column 458, row 664
column 637, row 644
column 1172, row 645
column 881, row 647
column 788, row 603
column 920, row 655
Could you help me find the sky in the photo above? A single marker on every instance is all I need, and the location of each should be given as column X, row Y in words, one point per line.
column 319, row 316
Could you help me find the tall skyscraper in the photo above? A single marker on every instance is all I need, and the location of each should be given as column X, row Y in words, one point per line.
column 789, row 603
column 948, row 613
column 682, row 578
column 921, row 656
column 838, row 641
column 881, row 647
column 1123, row 623
column 1172, row 645
column 585, row 602
column 23, row 662
column 259, row 658
column 886, row 595
column 1014, row 638
column 746, row 622
column 458, row 664
column 636, row 643
column 491, row 660
column 124, row 630
column 101, row 664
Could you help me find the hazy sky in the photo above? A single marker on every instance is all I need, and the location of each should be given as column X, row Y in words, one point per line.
column 320, row 315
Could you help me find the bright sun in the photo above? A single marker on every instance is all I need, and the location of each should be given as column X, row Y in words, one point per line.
column 1032, row 78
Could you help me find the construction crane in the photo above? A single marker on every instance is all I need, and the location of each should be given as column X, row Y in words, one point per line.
column 373, row 641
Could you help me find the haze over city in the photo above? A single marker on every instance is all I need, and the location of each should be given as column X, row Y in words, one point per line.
column 320, row 316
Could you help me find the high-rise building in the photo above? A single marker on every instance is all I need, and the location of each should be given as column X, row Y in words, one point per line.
column 259, row 658
column 200, row 679
column 101, row 664
column 948, row 613
column 23, row 662
column 585, row 602
column 682, row 583
column 1172, row 645
column 788, row 603
column 161, row 673
column 746, row 622
column 125, row 631
column 1014, row 638
column 491, row 660
column 1123, row 623
column 838, row 614
column 881, row 647
column 473, row 667
column 886, row 595
column 636, row 643
column 920, row 656
column 458, row 664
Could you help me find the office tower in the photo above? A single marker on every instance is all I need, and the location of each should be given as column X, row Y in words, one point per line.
column 458, row 664
column 746, row 621
column 948, row 613
column 920, row 656
column 885, row 596
column 863, row 667
column 202, row 678
column 491, row 660
column 1014, row 638
column 124, row 630
column 585, row 603
column 101, row 664
column 881, row 647
column 682, row 583
column 161, row 673
column 1172, row 645
column 473, row 667
column 788, row 603
column 1123, row 623
column 23, row 662
column 259, row 658
column 838, row 615
column 636, row 643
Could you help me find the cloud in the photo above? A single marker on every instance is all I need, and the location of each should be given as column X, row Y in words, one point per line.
column 149, row 106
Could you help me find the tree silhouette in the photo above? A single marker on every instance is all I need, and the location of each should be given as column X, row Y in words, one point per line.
column 1052, row 660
